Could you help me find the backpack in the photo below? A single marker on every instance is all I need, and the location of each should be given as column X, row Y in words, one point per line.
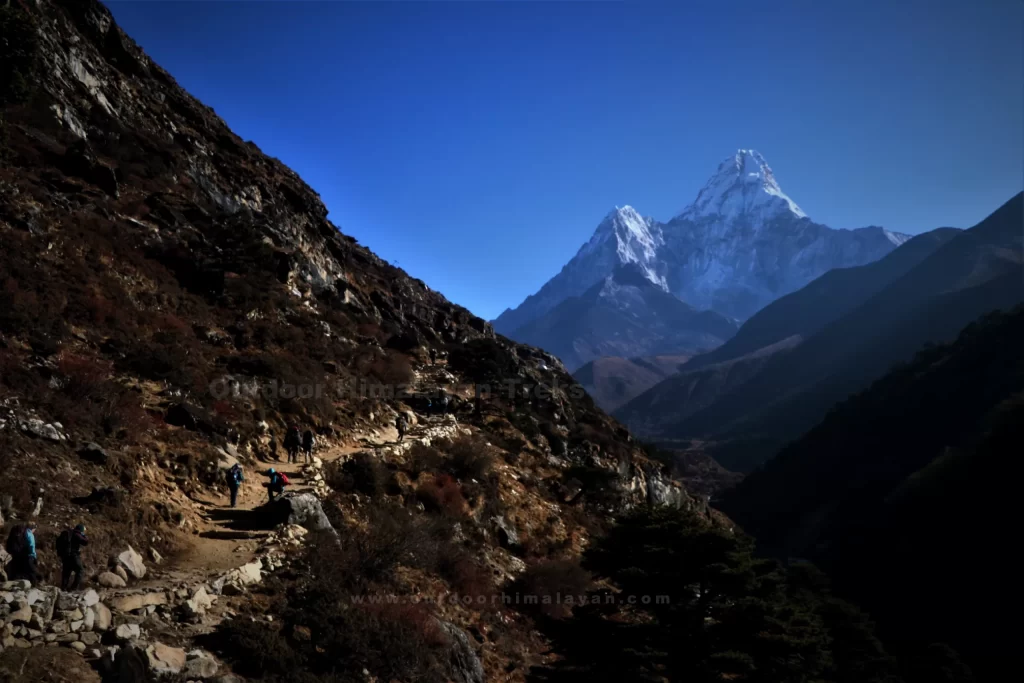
column 235, row 474
column 283, row 478
column 16, row 543
column 64, row 543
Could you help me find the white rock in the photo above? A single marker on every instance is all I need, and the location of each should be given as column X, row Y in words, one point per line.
column 132, row 563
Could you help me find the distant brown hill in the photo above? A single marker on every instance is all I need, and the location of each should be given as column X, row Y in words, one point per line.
column 612, row 381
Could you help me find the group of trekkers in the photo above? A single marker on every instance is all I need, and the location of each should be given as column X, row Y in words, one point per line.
column 24, row 562
column 293, row 444
column 278, row 481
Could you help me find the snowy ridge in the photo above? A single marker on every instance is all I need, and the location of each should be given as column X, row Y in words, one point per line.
column 636, row 240
column 743, row 185
column 740, row 245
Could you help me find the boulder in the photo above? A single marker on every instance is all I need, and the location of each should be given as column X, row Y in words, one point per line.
column 128, row 632
column 90, row 598
column 20, row 616
column 136, row 601
column 78, row 646
column 200, row 665
column 103, row 617
column 89, row 638
column 119, row 570
column 93, row 453
column 164, row 659
column 155, row 556
column 132, row 563
column 303, row 509
column 110, row 580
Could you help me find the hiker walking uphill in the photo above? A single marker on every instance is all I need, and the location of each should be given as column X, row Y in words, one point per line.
column 69, row 550
column 292, row 442
column 235, row 479
column 402, row 425
column 278, row 480
column 21, row 545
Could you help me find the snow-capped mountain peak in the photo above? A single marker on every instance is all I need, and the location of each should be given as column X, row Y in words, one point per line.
column 636, row 240
column 743, row 184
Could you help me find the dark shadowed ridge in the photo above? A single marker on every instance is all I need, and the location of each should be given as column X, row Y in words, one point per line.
column 976, row 271
column 900, row 492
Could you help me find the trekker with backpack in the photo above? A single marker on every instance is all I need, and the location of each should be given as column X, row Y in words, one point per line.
column 307, row 445
column 278, row 480
column 235, row 479
column 292, row 442
column 21, row 545
column 69, row 550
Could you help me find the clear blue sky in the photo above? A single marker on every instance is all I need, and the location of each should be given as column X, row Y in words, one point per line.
column 478, row 144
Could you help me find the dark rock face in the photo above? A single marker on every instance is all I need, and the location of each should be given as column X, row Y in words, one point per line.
column 303, row 509
column 465, row 665
column 93, row 453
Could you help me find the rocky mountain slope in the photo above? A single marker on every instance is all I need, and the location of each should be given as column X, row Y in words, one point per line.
column 966, row 275
column 742, row 244
column 171, row 299
column 612, row 381
column 624, row 315
column 900, row 491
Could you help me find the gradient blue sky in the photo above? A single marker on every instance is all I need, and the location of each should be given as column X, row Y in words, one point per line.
column 478, row 144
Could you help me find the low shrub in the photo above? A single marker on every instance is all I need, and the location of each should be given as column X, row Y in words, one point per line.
column 443, row 494
column 547, row 579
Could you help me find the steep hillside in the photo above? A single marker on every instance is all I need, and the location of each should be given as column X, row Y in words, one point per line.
column 663, row 406
column 612, row 381
column 977, row 271
column 171, row 299
column 901, row 491
column 624, row 315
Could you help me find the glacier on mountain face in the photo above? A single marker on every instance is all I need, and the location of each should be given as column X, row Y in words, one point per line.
column 739, row 246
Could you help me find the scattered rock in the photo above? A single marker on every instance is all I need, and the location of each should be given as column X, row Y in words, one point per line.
column 235, row 581
column 78, row 646
column 119, row 570
column 155, row 556
column 37, row 427
column 110, row 580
